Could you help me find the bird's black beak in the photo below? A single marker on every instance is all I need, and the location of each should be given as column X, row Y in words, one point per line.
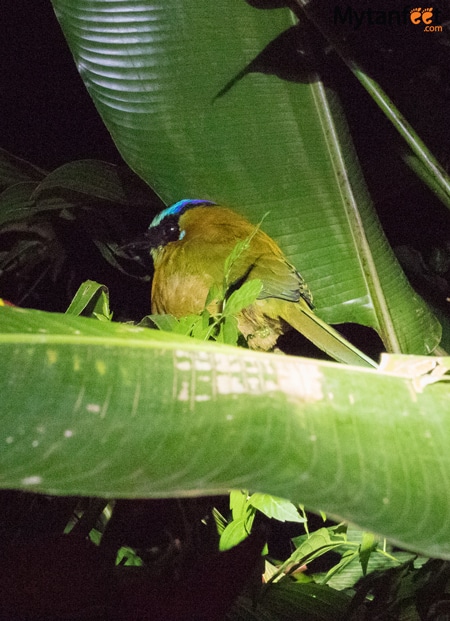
column 139, row 245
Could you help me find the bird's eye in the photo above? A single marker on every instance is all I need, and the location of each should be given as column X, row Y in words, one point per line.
column 171, row 230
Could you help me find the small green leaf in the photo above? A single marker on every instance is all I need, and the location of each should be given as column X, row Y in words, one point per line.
column 128, row 557
column 186, row 325
column 234, row 255
column 276, row 508
column 310, row 548
column 219, row 520
column 201, row 328
column 239, row 249
column 216, row 293
column 229, row 332
column 167, row 323
column 91, row 300
column 368, row 545
column 238, row 501
column 237, row 530
column 243, row 297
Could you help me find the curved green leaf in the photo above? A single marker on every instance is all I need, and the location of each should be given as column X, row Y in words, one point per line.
column 16, row 202
column 16, row 170
column 235, row 532
column 115, row 410
column 91, row 300
column 276, row 508
column 154, row 72
column 93, row 178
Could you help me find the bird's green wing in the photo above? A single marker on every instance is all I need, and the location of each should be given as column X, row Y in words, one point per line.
column 281, row 280
column 265, row 261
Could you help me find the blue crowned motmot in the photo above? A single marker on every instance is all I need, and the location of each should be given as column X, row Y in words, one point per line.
column 189, row 243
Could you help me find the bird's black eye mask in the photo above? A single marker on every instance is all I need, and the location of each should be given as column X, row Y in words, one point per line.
column 165, row 232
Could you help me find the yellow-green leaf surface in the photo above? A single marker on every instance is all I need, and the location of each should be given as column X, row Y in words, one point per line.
column 155, row 70
column 112, row 410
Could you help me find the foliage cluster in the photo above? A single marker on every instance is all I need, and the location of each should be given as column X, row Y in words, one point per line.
column 191, row 133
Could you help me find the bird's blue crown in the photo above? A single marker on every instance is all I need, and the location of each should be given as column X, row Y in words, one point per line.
column 178, row 208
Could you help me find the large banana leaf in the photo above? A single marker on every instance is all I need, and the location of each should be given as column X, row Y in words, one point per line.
column 154, row 71
column 112, row 410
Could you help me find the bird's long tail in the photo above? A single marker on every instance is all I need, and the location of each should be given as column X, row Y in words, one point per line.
column 305, row 321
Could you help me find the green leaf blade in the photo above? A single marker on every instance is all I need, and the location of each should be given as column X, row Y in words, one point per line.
column 243, row 297
column 276, row 508
column 266, row 145
column 115, row 410
column 91, row 300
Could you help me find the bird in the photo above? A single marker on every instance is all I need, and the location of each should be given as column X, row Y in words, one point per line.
column 189, row 243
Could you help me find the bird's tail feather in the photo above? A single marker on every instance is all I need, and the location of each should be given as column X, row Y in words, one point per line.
column 325, row 337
